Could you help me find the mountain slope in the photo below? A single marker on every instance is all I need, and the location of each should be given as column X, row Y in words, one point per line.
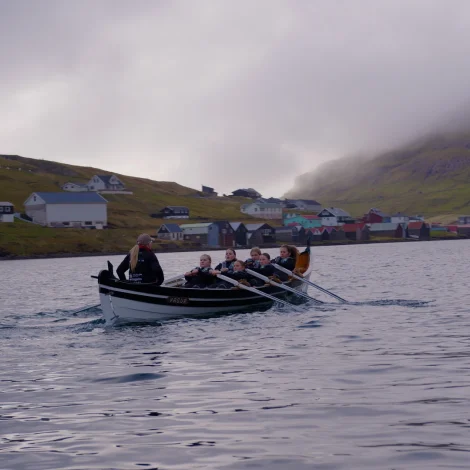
column 430, row 177
column 20, row 176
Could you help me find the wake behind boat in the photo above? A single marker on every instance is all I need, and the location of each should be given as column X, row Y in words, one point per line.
column 123, row 301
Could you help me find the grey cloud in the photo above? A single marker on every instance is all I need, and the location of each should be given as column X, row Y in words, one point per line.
column 227, row 94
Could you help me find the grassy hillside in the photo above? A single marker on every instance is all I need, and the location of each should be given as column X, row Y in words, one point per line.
column 128, row 215
column 431, row 177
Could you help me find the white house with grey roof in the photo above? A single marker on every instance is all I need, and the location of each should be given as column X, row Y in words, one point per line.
column 333, row 216
column 67, row 209
column 105, row 183
column 262, row 210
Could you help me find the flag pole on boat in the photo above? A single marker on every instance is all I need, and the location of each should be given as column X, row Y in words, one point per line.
column 282, row 286
column 290, row 273
column 256, row 291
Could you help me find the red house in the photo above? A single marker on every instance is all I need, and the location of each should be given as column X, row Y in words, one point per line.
column 359, row 231
column 376, row 216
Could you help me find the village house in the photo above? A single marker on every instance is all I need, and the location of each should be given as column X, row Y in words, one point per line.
column 75, row 187
column 199, row 232
column 240, row 233
column 226, row 234
column 7, row 211
column 211, row 234
column 249, row 192
column 418, row 229
column 270, row 200
column 306, row 221
column 399, row 218
column 106, row 183
column 208, row 191
column 303, row 205
column 172, row 212
column 299, row 234
column 356, row 232
column 334, row 216
column 170, row 232
column 85, row 210
column 262, row 210
column 284, row 234
column 260, row 234
column 464, row 220
column 388, row 230
column 376, row 216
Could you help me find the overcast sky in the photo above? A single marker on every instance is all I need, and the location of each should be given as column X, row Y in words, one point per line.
column 230, row 94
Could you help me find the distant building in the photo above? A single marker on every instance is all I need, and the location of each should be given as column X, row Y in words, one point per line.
column 464, row 220
column 262, row 210
column 172, row 212
column 208, row 191
column 399, row 218
column 419, row 229
column 249, row 192
column 303, row 205
column 170, row 232
column 85, row 210
column 260, row 234
column 7, row 211
column 387, row 229
column 105, row 183
column 75, row 187
column 284, row 234
column 356, row 232
column 376, row 216
column 240, row 233
column 205, row 233
column 306, row 221
column 334, row 216
column 226, row 234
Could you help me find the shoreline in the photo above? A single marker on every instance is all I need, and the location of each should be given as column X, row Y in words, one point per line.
column 192, row 249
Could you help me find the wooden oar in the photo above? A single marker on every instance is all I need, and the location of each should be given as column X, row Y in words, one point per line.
column 174, row 278
column 256, row 291
column 282, row 286
column 290, row 273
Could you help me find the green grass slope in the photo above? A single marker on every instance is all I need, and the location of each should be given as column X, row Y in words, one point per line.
column 128, row 215
column 431, row 177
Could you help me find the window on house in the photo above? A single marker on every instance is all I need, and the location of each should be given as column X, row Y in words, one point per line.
column 88, row 222
column 1, row 208
column 7, row 209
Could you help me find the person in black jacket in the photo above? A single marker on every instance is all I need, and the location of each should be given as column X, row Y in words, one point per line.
column 202, row 276
column 227, row 265
column 142, row 263
column 238, row 273
column 287, row 259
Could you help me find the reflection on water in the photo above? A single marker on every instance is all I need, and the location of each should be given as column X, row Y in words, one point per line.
column 380, row 383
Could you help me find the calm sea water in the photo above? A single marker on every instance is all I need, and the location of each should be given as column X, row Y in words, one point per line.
column 381, row 384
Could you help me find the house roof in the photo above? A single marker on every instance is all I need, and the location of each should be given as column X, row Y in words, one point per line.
column 105, row 178
column 336, row 211
column 348, row 228
column 310, row 217
column 254, row 227
column 415, row 225
column 6, row 204
column 173, row 228
column 266, row 205
column 378, row 212
column 235, row 225
column 201, row 225
column 195, row 229
column 72, row 198
column 283, row 229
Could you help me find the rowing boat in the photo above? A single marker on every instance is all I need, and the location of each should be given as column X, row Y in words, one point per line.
column 122, row 301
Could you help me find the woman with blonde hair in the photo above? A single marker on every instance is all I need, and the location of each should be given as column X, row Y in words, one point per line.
column 142, row 263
